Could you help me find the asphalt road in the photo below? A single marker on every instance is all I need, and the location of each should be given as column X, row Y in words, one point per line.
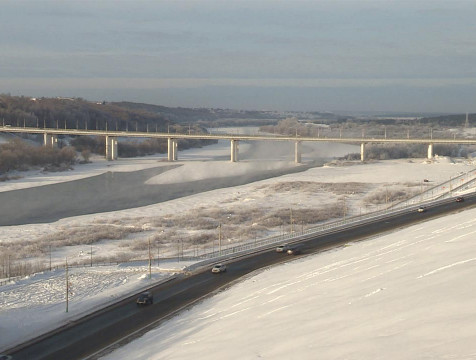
column 89, row 335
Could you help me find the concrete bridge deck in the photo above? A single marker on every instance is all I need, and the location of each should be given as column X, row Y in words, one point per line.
column 50, row 139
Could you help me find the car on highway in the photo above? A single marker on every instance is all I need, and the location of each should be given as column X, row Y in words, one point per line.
column 146, row 298
column 421, row 209
column 459, row 199
column 294, row 250
column 219, row 268
column 5, row 357
column 282, row 248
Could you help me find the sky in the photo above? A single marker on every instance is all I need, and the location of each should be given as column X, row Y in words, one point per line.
column 376, row 55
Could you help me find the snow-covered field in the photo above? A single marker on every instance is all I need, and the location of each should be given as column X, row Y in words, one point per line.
column 313, row 189
column 354, row 302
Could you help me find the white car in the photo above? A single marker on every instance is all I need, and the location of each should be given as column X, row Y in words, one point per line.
column 421, row 209
column 219, row 268
column 282, row 248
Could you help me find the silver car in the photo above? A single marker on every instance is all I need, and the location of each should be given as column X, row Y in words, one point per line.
column 282, row 248
column 219, row 268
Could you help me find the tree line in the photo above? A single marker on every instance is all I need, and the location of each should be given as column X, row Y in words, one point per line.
column 76, row 113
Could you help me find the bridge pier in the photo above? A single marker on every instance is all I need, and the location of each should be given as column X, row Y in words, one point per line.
column 172, row 149
column 297, row 152
column 111, row 148
column 234, row 150
column 430, row 151
column 50, row 140
column 362, row 152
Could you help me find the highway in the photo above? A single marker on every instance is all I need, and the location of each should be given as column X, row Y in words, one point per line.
column 87, row 337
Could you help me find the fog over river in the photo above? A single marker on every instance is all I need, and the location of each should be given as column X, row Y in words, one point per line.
column 123, row 190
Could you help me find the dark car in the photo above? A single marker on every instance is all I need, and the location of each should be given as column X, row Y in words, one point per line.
column 146, row 298
column 459, row 199
column 5, row 357
column 294, row 250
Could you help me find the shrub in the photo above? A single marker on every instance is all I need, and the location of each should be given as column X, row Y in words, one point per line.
column 18, row 155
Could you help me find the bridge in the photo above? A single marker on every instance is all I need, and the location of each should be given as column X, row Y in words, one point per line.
column 50, row 136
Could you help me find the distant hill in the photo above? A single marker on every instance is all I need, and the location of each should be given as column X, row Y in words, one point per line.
column 458, row 120
column 80, row 113
column 229, row 117
column 75, row 113
column 208, row 116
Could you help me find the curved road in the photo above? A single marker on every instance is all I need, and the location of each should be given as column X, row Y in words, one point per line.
column 91, row 334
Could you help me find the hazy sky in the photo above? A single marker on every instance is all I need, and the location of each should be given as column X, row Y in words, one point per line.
column 250, row 54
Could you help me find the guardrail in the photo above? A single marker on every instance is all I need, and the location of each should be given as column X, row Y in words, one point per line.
column 431, row 196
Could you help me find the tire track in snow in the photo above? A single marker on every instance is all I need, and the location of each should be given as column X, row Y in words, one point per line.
column 446, row 267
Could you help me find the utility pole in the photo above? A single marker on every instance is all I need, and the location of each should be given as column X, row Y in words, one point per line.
column 219, row 239
column 158, row 253
column 150, row 262
column 344, row 208
column 291, row 220
column 67, row 286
